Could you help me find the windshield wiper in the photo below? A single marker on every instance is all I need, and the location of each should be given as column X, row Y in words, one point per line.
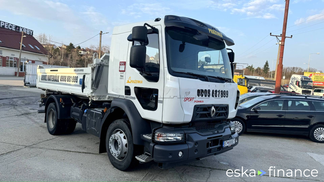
column 206, row 77
column 221, row 78
column 194, row 74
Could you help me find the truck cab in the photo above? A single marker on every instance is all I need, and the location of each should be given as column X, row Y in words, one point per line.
column 301, row 84
column 165, row 94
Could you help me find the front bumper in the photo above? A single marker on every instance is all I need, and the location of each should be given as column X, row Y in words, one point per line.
column 196, row 146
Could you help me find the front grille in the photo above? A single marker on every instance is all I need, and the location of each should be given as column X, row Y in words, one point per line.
column 306, row 92
column 204, row 112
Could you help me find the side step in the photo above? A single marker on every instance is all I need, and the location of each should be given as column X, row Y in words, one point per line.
column 144, row 158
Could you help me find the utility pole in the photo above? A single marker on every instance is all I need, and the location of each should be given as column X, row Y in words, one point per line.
column 21, row 43
column 278, row 55
column 282, row 46
column 100, row 44
column 61, row 54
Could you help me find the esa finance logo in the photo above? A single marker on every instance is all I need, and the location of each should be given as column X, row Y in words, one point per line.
column 272, row 172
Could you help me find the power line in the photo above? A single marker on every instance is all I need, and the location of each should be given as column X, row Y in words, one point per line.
column 256, row 49
column 306, row 26
column 87, row 40
column 309, row 31
column 256, row 43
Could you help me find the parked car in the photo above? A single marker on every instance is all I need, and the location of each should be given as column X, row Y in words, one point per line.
column 260, row 89
column 248, row 96
column 283, row 90
column 301, row 115
column 318, row 92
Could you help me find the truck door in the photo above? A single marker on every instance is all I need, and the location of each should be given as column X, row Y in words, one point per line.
column 147, row 86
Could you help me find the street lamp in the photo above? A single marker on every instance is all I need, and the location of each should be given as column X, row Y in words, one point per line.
column 309, row 59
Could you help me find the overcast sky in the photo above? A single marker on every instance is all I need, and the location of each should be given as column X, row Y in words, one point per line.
column 247, row 22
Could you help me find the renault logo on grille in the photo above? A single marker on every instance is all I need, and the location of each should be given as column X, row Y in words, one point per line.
column 212, row 111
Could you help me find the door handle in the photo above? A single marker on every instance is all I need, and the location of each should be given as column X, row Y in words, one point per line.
column 280, row 115
column 310, row 116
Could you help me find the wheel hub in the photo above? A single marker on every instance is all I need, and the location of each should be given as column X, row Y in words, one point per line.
column 319, row 134
column 51, row 119
column 238, row 126
column 118, row 145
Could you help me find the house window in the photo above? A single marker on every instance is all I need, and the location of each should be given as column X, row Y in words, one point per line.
column 31, row 46
column 37, row 48
column 0, row 52
column 11, row 62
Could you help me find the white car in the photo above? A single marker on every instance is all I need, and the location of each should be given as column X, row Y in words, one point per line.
column 318, row 92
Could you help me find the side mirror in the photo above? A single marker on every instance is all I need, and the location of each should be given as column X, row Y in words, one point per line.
column 139, row 33
column 231, row 56
column 138, row 52
column 256, row 109
column 207, row 59
column 137, row 56
column 297, row 83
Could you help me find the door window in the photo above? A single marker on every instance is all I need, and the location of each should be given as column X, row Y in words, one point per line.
column 319, row 106
column 272, row 105
column 298, row 105
column 152, row 61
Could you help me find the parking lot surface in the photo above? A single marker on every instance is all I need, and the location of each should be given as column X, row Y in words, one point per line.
column 29, row 153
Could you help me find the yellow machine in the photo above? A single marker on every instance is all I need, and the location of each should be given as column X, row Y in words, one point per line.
column 241, row 83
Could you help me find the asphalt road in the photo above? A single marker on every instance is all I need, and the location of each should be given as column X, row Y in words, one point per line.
column 29, row 153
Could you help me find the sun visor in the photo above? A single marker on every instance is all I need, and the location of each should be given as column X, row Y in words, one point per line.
column 184, row 22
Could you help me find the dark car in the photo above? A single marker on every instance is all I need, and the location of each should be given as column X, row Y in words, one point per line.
column 301, row 115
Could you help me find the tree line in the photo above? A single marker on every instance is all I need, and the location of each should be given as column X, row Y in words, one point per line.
column 69, row 55
column 287, row 72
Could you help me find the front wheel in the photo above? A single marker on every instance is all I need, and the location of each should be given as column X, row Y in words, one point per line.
column 119, row 145
column 239, row 126
column 317, row 133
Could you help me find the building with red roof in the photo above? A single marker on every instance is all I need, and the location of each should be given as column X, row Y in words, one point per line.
column 32, row 50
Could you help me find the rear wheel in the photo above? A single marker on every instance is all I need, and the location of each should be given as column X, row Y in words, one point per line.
column 70, row 126
column 317, row 133
column 54, row 126
column 239, row 126
column 119, row 145
column 57, row 126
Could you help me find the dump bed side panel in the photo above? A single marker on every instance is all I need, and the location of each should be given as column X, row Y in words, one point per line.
column 65, row 80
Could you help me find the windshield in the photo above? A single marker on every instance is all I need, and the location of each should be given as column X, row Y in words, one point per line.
column 189, row 53
column 307, row 84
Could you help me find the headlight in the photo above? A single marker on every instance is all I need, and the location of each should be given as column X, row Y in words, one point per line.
column 232, row 126
column 168, row 137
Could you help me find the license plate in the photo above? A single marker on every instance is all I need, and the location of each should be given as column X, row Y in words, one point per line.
column 228, row 143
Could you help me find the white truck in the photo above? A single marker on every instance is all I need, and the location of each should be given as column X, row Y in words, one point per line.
column 165, row 94
column 300, row 84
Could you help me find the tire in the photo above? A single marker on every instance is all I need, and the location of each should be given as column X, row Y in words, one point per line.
column 240, row 126
column 70, row 126
column 119, row 138
column 54, row 125
column 316, row 134
column 58, row 126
